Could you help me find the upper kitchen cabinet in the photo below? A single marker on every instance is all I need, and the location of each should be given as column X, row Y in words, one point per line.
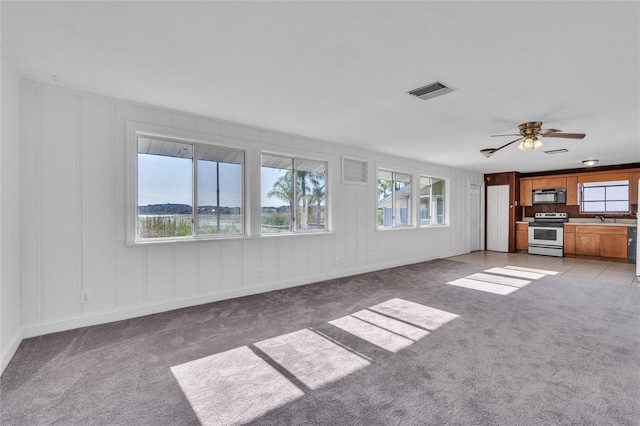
column 549, row 183
column 633, row 187
column 525, row 192
column 572, row 190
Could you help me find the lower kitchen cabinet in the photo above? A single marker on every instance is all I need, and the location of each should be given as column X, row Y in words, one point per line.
column 522, row 236
column 600, row 241
column 587, row 244
column 569, row 245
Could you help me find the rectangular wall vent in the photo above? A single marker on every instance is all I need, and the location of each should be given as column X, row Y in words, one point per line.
column 355, row 170
column 431, row 91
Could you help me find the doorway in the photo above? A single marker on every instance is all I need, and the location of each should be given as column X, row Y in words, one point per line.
column 475, row 217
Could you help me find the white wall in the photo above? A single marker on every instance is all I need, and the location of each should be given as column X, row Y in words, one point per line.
column 73, row 205
column 10, row 325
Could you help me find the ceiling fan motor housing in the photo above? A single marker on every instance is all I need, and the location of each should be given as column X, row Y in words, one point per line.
column 531, row 128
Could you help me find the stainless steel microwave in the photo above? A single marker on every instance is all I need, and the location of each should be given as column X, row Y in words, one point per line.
column 549, row 196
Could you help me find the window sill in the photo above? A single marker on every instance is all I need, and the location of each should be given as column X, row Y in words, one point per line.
column 225, row 238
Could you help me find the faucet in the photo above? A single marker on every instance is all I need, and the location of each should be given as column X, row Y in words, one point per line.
column 601, row 218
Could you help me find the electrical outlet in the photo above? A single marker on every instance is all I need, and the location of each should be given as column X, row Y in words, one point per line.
column 85, row 296
column 259, row 273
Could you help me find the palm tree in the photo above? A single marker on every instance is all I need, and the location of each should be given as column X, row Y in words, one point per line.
column 384, row 188
column 317, row 193
column 283, row 191
column 306, row 184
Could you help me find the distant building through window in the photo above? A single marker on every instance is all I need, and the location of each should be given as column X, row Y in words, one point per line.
column 395, row 203
column 432, row 201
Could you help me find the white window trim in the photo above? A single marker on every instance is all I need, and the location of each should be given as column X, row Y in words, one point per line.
column 328, row 192
column 133, row 130
column 446, row 201
column 415, row 210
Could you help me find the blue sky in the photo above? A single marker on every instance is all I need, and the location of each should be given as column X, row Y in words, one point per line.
column 163, row 180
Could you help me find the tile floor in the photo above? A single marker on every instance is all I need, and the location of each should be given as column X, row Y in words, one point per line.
column 596, row 270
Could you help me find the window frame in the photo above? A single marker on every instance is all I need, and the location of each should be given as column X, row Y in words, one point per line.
column 392, row 196
column 444, row 196
column 295, row 159
column 605, row 184
column 134, row 130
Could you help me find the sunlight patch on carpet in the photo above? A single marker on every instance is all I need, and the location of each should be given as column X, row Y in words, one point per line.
column 311, row 358
column 414, row 313
column 233, row 387
column 483, row 286
column 372, row 333
column 499, row 279
column 539, row 271
column 515, row 273
column 395, row 326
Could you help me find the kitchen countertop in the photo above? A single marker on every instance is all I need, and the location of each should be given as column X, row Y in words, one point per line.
column 627, row 224
column 602, row 224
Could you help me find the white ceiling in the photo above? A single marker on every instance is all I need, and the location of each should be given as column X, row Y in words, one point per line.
column 339, row 71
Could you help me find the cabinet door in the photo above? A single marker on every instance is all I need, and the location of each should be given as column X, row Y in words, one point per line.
column 569, row 239
column 588, row 244
column 522, row 236
column 572, row 191
column 540, row 183
column 525, row 192
column 559, row 182
column 613, row 246
column 633, row 187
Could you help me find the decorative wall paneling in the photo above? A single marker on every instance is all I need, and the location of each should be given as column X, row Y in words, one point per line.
column 10, row 217
column 74, row 218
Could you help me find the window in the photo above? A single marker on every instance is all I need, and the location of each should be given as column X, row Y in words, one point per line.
column 294, row 194
column 395, row 207
column 604, row 197
column 187, row 190
column 431, row 201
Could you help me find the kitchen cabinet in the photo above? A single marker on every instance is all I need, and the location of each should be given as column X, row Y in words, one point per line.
column 522, row 236
column 569, row 239
column 572, row 191
column 549, row 183
column 633, row 187
column 600, row 241
column 587, row 244
column 525, row 192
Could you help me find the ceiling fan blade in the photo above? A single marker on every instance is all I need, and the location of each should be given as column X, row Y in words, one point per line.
column 488, row 152
column 565, row 135
column 508, row 134
column 545, row 131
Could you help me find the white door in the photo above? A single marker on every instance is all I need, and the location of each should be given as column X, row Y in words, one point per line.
column 475, row 217
column 498, row 218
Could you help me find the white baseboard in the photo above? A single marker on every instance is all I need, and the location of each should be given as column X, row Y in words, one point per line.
column 33, row 330
column 10, row 351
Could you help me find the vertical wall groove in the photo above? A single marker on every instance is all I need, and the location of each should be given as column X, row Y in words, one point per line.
column 79, row 204
column 38, row 195
column 112, row 191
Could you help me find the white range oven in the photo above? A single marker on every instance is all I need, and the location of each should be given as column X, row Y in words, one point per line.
column 546, row 234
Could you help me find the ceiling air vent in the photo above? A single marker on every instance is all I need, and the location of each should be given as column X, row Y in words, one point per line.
column 355, row 170
column 431, row 91
column 556, row 151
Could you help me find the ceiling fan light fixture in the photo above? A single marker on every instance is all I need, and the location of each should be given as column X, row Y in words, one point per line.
column 537, row 144
column 529, row 143
column 590, row 163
